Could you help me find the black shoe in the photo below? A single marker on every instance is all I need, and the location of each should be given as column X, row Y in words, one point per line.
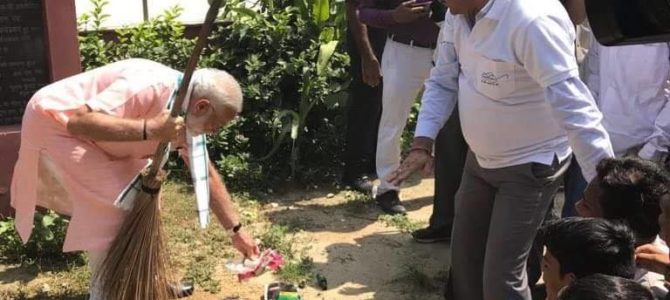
column 390, row 203
column 432, row 235
column 361, row 184
column 180, row 290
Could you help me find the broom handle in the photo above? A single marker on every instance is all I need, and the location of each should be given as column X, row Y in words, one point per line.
column 212, row 13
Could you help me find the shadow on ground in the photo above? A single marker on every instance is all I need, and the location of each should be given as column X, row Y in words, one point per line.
column 337, row 215
column 386, row 266
column 13, row 274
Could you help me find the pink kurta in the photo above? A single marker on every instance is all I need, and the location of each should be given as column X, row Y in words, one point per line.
column 79, row 177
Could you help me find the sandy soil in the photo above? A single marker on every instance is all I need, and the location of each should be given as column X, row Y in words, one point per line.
column 360, row 256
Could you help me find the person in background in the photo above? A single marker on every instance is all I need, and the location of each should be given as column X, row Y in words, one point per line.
column 630, row 190
column 406, row 63
column 578, row 247
column 450, row 153
column 658, row 258
column 630, row 87
column 365, row 46
column 605, row 287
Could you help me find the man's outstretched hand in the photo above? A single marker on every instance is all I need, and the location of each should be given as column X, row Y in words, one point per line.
column 245, row 244
column 417, row 160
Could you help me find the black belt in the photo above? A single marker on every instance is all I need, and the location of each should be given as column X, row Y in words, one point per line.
column 409, row 41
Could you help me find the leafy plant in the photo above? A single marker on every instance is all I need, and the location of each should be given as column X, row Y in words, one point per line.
column 45, row 244
column 278, row 237
column 297, row 271
column 298, row 266
column 296, row 74
column 401, row 222
column 92, row 46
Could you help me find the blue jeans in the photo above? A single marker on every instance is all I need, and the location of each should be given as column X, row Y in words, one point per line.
column 575, row 185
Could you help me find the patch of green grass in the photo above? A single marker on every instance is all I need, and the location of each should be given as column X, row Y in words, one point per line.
column 201, row 271
column 196, row 252
column 71, row 283
column 357, row 202
column 297, row 270
column 77, row 279
column 298, row 266
column 401, row 222
column 278, row 237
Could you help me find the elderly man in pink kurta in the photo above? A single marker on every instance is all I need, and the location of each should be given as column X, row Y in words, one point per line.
column 86, row 137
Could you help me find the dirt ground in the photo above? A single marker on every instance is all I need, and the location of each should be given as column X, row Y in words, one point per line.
column 361, row 257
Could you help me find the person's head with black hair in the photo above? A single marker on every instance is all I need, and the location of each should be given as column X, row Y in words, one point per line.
column 605, row 287
column 627, row 189
column 578, row 247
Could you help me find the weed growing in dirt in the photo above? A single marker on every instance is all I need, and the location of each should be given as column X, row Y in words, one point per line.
column 298, row 266
column 278, row 237
column 297, row 270
column 198, row 252
column 201, row 271
column 357, row 202
column 400, row 222
column 420, row 281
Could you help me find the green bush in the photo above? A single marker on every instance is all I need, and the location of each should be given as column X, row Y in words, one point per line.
column 45, row 245
column 292, row 69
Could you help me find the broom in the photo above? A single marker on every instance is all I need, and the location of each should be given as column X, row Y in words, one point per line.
column 135, row 267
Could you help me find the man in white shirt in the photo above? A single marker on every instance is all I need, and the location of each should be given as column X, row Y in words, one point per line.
column 511, row 65
column 630, row 86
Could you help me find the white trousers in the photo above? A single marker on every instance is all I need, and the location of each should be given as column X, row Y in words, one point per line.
column 95, row 259
column 404, row 70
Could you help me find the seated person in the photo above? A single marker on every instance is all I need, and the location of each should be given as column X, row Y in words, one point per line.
column 630, row 190
column 578, row 247
column 664, row 218
column 604, row 287
column 654, row 257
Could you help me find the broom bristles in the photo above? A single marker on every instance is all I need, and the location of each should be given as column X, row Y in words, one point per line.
column 135, row 267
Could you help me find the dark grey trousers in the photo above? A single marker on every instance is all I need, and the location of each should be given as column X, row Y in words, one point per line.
column 498, row 213
column 450, row 152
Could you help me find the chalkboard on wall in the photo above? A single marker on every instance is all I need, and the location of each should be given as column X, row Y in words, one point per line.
column 23, row 64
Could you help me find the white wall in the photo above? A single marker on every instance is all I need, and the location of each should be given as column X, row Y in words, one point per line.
column 129, row 12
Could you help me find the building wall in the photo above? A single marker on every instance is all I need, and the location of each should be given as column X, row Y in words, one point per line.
column 130, row 12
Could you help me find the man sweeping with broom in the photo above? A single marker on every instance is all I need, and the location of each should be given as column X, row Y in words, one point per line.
column 85, row 138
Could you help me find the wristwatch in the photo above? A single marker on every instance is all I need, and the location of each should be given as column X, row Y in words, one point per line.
column 236, row 228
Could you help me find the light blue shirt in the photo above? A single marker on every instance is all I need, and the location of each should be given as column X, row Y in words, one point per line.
column 516, row 79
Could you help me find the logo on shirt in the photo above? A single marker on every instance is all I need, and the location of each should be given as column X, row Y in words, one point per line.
column 491, row 79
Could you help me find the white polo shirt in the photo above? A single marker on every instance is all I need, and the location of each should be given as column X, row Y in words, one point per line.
column 630, row 85
column 517, row 81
